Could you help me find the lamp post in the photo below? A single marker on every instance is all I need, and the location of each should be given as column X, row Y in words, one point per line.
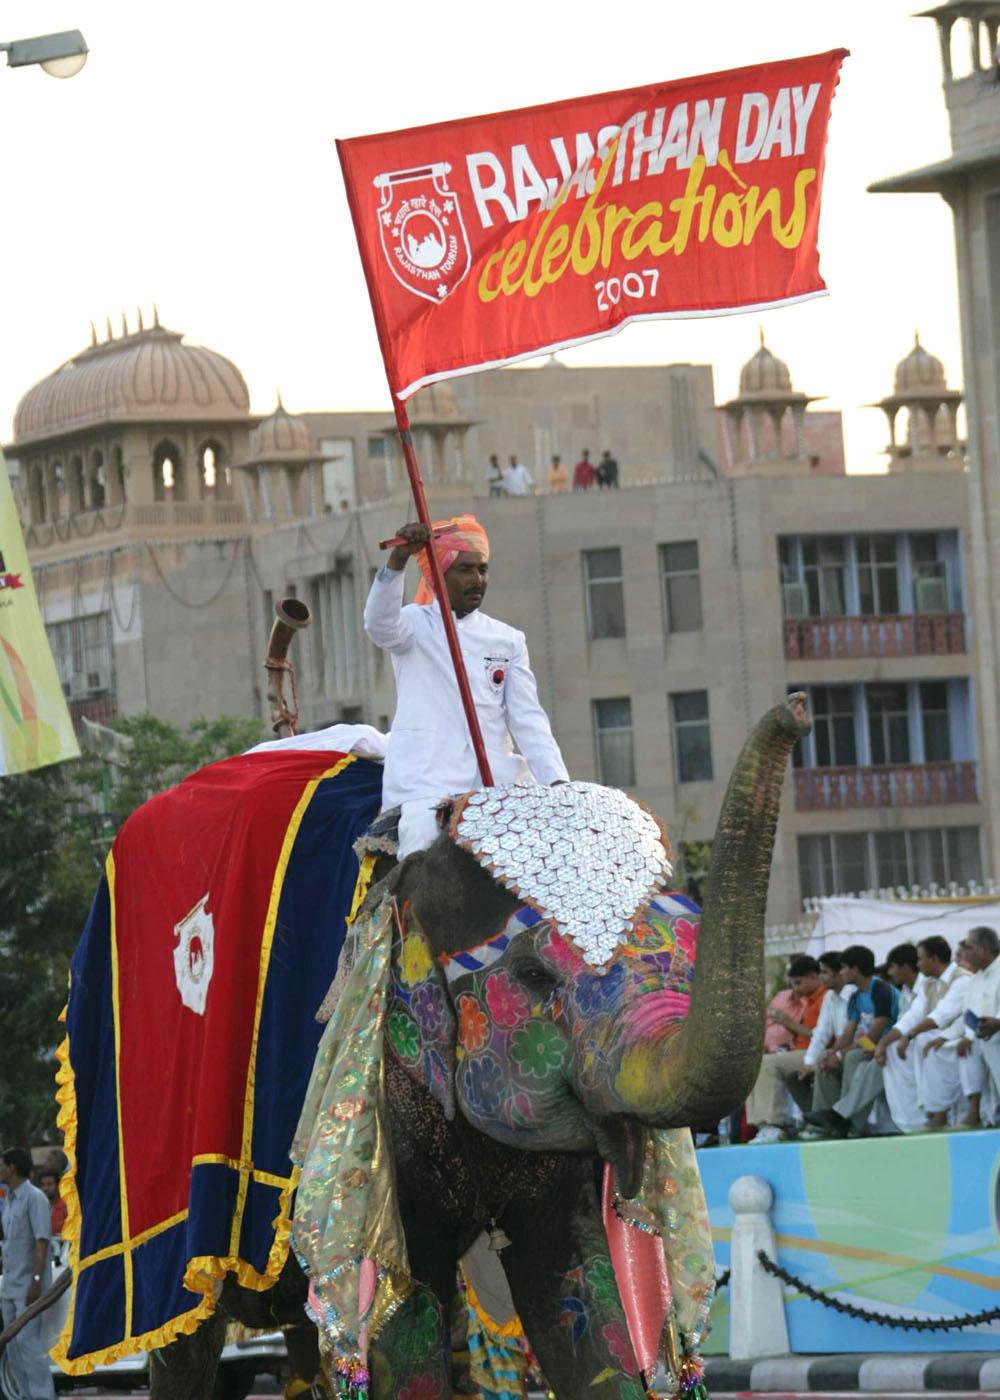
column 60, row 55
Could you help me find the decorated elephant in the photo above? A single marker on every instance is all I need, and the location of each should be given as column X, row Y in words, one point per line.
column 510, row 1062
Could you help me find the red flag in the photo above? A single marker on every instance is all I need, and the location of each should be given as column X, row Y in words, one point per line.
column 491, row 239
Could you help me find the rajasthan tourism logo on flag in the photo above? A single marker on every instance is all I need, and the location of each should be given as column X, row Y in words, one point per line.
column 35, row 726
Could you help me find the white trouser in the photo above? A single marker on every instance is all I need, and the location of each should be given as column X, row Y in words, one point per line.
column 972, row 1070
column 418, row 825
column 900, row 1082
column 990, row 1053
column 26, row 1354
column 939, row 1078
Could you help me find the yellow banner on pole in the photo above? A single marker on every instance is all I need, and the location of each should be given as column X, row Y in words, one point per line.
column 35, row 727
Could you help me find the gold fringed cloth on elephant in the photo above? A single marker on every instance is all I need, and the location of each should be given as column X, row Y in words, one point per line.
column 347, row 1232
column 191, row 1035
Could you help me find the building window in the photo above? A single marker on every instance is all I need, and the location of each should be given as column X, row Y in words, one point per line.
column 378, row 447
column 334, row 608
column 888, row 724
column 935, row 721
column 878, row 580
column 849, row 863
column 823, row 573
column 81, row 647
column 692, row 736
column 831, row 865
column 602, row 570
column 168, row 473
column 681, row 586
column 833, row 726
column 613, row 741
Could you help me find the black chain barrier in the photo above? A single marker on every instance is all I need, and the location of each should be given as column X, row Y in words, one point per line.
column 905, row 1324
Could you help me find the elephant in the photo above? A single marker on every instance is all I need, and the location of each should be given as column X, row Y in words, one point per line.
column 602, row 1060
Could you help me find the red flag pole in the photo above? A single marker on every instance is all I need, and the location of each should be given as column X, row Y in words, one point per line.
column 441, row 593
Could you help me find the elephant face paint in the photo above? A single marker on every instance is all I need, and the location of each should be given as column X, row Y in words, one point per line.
column 540, row 1037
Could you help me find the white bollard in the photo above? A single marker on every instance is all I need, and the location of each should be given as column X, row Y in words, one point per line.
column 757, row 1324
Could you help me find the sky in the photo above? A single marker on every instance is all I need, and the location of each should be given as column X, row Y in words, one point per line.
column 192, row 164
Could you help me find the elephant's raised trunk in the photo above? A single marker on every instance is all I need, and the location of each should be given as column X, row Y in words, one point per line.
column 700, row 1070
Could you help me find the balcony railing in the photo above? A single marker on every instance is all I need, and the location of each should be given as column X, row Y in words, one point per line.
column 830, row 638
column 99, row 709
column 901, row 785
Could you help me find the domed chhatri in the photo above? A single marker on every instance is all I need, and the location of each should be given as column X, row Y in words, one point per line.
column 764, row 374
column 764, row 424
column 282, row 437
column 919, row 371
column 148, row 375
column 929, row 439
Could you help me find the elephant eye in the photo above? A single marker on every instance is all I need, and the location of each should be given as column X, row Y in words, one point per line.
column 536, row 978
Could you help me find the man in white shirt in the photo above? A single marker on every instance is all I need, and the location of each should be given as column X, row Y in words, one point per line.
column 979, row 1048
column 430, row 754
column 819, row 1063
column 900, row 1051
column 938, row 1081
column 517, row 479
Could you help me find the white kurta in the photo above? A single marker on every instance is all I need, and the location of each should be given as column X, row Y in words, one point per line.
column 939, row 1080
column 430, row 754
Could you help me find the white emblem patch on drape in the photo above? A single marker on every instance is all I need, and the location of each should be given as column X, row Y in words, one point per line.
column 194, row 956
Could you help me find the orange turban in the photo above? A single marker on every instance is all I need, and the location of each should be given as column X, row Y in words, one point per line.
column 462, row 533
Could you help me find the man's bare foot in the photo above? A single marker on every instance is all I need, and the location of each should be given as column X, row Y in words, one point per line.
column 937, row 1121
column 970, row 1121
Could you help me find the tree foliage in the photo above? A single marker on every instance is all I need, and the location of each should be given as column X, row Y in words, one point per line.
column 55, row 839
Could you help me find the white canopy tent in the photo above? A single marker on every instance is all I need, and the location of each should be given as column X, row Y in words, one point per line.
column 881, row 924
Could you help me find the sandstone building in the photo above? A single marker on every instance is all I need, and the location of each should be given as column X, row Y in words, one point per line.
column 736, row 562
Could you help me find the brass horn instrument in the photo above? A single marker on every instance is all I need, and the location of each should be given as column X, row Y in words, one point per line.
column 291, row 615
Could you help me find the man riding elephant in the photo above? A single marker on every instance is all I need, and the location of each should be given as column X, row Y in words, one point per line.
column 430, row 754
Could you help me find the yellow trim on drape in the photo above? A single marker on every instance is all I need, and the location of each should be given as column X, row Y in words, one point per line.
column 203, row 1272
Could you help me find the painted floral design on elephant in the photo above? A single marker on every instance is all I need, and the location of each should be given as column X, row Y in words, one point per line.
column 509, row 1004
column 473, row 1023
column 538, row 1048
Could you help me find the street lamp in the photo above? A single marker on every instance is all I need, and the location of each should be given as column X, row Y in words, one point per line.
column 60, row 55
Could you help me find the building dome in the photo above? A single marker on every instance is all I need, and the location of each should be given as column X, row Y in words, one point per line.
column 919, row 372
column 148, row 376
column 434, row 403
column 764, row 374
column 281, row 438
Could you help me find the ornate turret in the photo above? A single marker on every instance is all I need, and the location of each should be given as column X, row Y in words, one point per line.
column 276, row 475
column 764, row 422
column 931, row 439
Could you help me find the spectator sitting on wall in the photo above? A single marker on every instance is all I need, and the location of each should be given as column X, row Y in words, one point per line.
column 607, row 471
column 900, row 1051
column 779, row 1072
column 584, row 473
column 864, row 1084
column 871, row 1012
column 517, row 479
column 558, row 477
column 979, row 1048
column 938, row 1074
column 783, row 1010
column 495, row 477
column 48, row 1182
column 819, row 1064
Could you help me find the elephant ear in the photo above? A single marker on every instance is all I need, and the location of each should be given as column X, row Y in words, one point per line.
column 420, row 1022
